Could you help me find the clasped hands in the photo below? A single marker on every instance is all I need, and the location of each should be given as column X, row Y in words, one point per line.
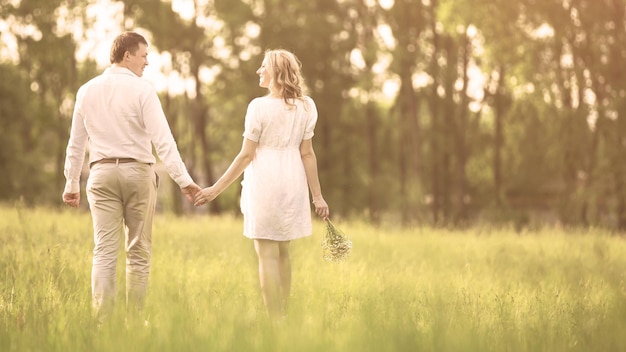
column 200, row 196
column 205, row 195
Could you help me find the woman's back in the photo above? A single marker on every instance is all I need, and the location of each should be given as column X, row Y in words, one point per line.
column 278, row 125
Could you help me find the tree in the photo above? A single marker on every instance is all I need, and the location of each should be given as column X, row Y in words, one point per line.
column 21, row 176
column 190, row 48
column 46, row 56
column 407, row 21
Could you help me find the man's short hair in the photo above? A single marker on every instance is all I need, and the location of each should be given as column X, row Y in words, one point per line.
column 127, row 41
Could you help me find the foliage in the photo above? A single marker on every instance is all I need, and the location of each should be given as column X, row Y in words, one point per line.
column 38, row 99
column 21, row 177
column 502, row 109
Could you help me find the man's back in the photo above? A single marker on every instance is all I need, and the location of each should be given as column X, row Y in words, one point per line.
column 112, row 108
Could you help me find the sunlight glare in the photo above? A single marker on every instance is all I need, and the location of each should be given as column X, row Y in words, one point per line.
column 421, row 80
column 97, row 40
column 391, row 88
column 386, row 4
column 386, row 34
column 185, row 8
column 356, row 59
column 471, row 31
column 381, row 67
column 544, row 31
column 8, row 49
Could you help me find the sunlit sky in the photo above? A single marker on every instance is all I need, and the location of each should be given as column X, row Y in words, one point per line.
column 107, row 15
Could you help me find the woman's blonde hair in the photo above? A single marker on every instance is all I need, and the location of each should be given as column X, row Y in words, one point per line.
column 286, row 76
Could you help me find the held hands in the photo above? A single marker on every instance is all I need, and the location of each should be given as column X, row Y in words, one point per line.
column 321, row 208
column 205, row 195
column 190, row 191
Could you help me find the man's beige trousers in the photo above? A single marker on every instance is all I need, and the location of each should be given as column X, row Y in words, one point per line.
column 122, row 199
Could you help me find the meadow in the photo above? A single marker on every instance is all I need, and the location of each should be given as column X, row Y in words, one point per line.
column 421, row 289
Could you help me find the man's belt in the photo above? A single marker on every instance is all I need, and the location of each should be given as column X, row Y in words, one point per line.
column 113, row 161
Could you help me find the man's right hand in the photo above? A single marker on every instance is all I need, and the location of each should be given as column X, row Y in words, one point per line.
column 190, row 191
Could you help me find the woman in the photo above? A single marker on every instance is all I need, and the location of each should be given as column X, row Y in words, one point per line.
column 278, row 163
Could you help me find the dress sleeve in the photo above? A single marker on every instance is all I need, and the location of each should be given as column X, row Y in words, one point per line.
column 312, row 118
column 252, row 123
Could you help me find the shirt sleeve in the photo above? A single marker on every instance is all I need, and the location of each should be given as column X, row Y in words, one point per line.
column 76, row 146
column 252, row 122
column 163, row 140
column 312, row 118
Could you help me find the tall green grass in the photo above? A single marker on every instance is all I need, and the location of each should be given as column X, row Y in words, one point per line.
column 481, row 289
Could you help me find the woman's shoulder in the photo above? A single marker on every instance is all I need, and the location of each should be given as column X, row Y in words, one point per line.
column 257, row 102
column 264, row 100
column 308, row 102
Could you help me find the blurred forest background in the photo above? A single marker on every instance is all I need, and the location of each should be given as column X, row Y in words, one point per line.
column 442, row 112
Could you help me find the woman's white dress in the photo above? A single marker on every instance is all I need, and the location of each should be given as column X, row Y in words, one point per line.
column 275, row 195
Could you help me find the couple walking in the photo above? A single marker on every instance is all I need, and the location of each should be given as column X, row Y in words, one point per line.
column 121, row 119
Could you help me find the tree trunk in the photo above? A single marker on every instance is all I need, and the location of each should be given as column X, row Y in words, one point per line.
column 372, row 127
column 448, row 128
column 434, row 109
column 410, row 151
column 498, row 142
column 176, row 194
column 460, row 140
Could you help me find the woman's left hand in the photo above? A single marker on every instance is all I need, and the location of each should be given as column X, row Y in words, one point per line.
column 321, row 208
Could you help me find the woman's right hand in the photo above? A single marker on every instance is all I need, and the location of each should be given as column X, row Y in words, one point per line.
column 321, row 208
column 205, row 195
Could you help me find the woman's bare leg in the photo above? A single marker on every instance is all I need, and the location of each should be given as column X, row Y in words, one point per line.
column 269, row 274
column 284, row 265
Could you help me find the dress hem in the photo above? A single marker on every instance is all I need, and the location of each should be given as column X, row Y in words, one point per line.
column 274, row 239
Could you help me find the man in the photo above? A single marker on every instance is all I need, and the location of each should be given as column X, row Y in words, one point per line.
column 121, row 117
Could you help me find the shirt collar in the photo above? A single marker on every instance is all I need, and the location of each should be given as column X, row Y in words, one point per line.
column 119, row 70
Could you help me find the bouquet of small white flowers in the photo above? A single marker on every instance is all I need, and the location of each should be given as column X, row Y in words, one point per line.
column 336, row 245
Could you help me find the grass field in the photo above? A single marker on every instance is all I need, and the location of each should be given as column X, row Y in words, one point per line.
column 481, row 289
